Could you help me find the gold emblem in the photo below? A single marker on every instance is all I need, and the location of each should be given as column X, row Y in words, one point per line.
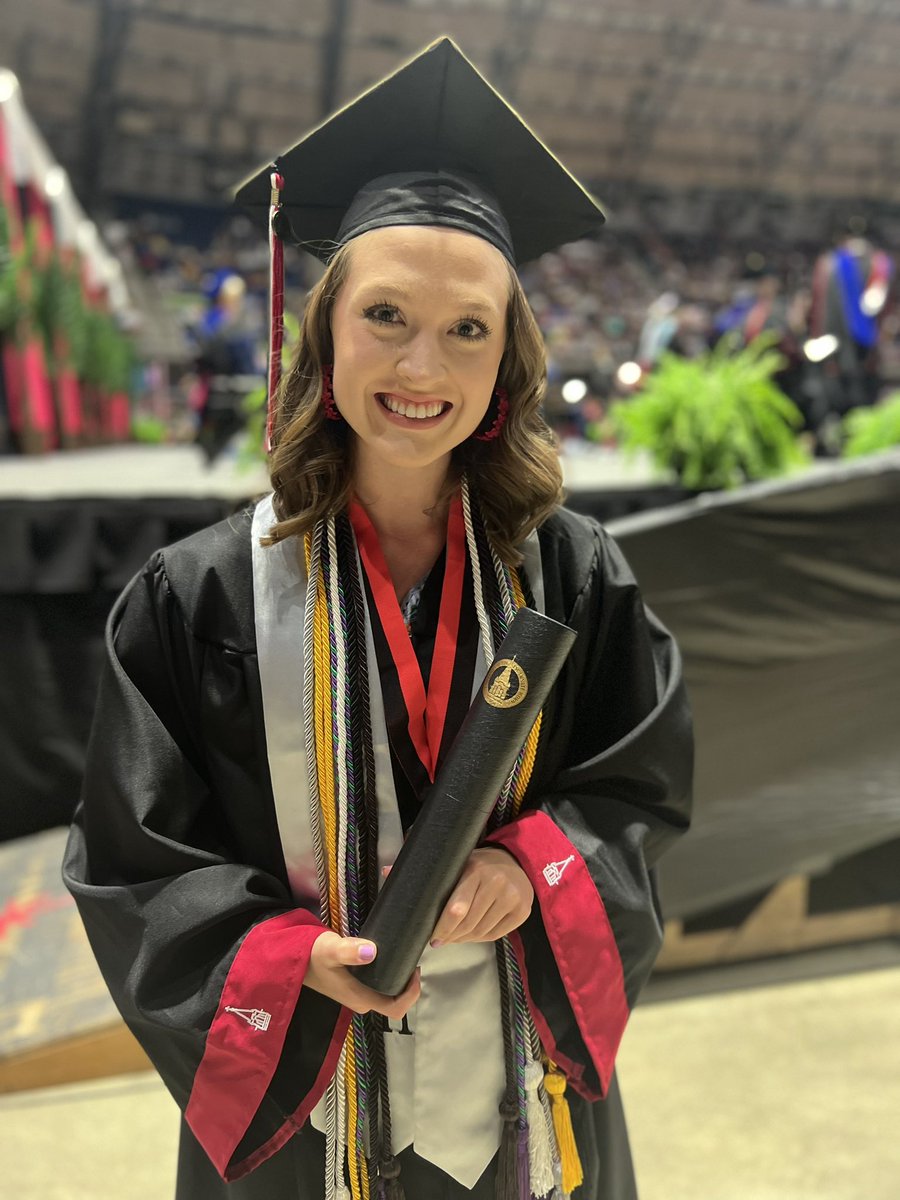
column 506, row 686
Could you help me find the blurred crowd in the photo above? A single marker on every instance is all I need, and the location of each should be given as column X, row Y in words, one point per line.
column 608, row 310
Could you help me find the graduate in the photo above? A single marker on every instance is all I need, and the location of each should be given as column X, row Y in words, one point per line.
column 281, row 690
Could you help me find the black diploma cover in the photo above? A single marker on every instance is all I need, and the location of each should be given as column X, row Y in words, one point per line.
column 456, row 807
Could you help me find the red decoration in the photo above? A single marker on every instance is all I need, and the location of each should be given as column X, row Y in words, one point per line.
column 331, row 409
column 500, row 404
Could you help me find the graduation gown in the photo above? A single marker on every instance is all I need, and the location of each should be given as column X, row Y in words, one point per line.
column 176, row 862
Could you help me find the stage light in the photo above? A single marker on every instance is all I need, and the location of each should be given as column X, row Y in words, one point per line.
column 55, row 182
column 817, row 349
column 873, row 299
column 574, row 391
column 629, row 374
column 8, row 84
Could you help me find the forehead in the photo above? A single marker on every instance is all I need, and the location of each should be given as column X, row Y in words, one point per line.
column 426, row 260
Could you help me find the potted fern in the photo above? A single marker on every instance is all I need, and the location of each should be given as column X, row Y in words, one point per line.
column 715, row 421
column 869, row 430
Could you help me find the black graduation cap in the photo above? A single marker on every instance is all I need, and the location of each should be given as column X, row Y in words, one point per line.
column 433, row 143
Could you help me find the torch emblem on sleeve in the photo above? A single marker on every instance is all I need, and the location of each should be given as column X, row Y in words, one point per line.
column 257, row 1017
column 553, row 872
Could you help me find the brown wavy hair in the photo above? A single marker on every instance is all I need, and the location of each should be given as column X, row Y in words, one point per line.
column 517, row 477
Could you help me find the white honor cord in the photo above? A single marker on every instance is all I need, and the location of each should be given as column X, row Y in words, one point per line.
column 540, row 1157
column 536, row 1052
column 487, row 639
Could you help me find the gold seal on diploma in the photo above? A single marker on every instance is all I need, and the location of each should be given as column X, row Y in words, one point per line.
column 507, row 684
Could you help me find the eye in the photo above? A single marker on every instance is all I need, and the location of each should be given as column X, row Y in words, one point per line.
column 471, row 329
column 383, row 313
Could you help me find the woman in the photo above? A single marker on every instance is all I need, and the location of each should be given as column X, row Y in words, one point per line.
column 282, row 688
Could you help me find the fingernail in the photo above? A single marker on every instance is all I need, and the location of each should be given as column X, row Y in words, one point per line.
column 437, row 942
column 366, row 953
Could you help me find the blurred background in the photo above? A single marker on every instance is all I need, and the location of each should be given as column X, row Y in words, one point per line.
column 725, row 383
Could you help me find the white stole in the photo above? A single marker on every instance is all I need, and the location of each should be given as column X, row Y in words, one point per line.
column 446, row 1080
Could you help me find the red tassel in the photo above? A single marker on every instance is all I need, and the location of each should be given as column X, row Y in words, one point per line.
column 276, row 305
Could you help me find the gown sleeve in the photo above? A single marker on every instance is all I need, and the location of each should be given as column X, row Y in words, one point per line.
column 618, row 796
column 204, row 952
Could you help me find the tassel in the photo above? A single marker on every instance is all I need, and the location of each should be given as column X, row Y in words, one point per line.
column 540, row 1158
column 523, row 1172
column 572, row 1171
column 276, row 304
column 389, row 1173
column 507, row 1187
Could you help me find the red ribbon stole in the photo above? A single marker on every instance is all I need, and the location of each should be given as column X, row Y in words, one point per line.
column 427, row 713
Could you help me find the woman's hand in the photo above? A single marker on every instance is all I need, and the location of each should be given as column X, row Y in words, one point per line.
column 327, row 973
column 493, row 897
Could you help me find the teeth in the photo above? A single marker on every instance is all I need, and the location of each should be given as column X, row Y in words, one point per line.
column 419, row 412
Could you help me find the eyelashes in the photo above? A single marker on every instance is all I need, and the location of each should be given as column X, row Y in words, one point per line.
column 387, row 315
column 376, row 313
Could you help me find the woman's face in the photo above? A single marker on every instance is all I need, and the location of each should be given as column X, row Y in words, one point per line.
column 419, row 328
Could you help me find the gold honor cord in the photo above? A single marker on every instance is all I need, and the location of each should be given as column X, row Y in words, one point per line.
column 531, row 742
column 325, row 742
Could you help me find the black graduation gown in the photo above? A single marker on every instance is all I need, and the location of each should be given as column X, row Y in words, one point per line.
column 175, row 861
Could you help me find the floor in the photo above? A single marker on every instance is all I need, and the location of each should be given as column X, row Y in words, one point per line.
column 777, row 1081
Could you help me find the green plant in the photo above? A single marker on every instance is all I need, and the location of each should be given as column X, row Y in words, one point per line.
column 253, row 448
column 149, row 429
column 61, row 312
column 10, row 305
column 108, row 357
column 868, row 430
column 714, row 421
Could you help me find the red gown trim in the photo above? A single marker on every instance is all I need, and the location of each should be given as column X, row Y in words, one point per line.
column 582, row 942
column 245, row 1040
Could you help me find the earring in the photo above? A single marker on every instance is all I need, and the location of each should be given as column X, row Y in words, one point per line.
column 331, row 409
column 499, row 410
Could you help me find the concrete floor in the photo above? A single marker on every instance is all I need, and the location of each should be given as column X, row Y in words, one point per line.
column 785, row 1090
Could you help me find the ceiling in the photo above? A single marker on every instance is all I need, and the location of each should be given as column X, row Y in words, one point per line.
column 179, row 99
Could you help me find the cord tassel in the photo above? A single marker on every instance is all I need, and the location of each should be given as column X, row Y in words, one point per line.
column 389, row 1180
column 276, row 303
column 540, row 1159
column 523, row 1170
column 572, row 1171
column 507, row 1187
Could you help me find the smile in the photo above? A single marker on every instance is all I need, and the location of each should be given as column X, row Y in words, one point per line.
column 412, row 410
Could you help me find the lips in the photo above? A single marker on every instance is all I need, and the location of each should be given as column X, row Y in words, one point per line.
column 420, row 409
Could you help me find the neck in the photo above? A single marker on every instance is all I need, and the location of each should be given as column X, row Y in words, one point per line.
column 404, row 506
column 410, row 517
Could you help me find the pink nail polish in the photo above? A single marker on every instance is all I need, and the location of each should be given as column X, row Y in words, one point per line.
column 437, row 942
column 366, row 953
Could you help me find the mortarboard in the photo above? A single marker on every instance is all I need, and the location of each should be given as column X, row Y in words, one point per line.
column 432, row 144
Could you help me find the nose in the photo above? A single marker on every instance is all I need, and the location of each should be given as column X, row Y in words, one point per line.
column 420, row 362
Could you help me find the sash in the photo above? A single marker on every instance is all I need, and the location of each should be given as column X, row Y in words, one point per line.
column 863, row 328
column 445, row 1068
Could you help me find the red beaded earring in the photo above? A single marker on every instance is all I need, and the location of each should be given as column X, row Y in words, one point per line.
column 331, row 409
column 499, row 408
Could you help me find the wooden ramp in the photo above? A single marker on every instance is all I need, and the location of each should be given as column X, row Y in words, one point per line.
column 780, row 923
column 57, row 1022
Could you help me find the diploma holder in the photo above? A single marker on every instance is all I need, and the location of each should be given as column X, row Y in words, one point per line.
column 456, row 807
